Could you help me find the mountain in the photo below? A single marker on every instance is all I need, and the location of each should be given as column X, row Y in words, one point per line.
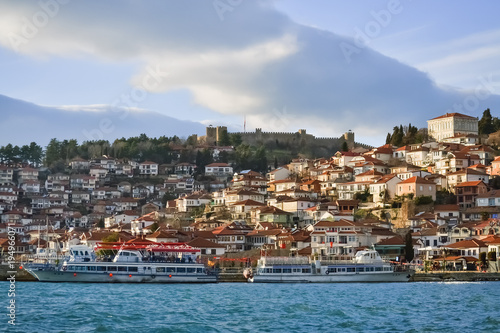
column 23, row 122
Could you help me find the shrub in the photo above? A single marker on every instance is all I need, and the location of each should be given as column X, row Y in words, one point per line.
column 423, row 200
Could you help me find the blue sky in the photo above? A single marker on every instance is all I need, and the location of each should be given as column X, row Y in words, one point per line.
column 328, row 66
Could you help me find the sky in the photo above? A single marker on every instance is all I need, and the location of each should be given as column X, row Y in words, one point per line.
column 323, row 65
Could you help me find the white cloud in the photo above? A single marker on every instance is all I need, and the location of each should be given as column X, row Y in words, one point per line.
column 254, row 62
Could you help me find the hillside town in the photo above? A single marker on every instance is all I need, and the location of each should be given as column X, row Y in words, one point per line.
column 442, row 192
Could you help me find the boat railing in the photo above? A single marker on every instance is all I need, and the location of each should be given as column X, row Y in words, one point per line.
column 337, row 262
column 285, row 260
column 43, row 257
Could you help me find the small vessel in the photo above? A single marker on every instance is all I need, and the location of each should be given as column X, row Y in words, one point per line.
column 365, row 266
column 133, row 263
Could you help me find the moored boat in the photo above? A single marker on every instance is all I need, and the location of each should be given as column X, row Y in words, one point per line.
column 366, row 266
column 138, row 263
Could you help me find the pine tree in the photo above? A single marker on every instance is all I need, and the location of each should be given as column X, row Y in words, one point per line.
column 485, row 125
column 409, row 251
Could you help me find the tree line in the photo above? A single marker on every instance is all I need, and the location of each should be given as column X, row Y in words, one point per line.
column 162, row 150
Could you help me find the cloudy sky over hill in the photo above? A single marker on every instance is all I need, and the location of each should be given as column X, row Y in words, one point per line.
column 328, row 66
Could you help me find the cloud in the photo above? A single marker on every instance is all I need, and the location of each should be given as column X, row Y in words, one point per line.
column 24, row 122
column 251, row 60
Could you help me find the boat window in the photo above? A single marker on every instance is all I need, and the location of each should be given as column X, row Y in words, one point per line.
column 132, row 269
column 112, row 268
column 191, row 269
column 199, row 270
column 80, row 268
column 160, row 269
column 70, row 268
column 306, row 270
column 360, row 269
column 287, row 270
column 181, row 269
column 170, row 269
column 125, row 254
column 276, row 270
column 101, row 268
column 350, row 269
column 122, row 268
column 268, row 270
column 387, row 268
column 332, row 270
column 378, row 269
column 86, row 253
column 91, row 268
column 341, row 269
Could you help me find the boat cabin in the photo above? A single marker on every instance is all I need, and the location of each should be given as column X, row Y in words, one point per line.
column 81, row 253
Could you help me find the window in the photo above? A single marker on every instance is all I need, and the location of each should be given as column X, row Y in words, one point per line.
column 181, row 269
column 160, row 269
column 122, row 269
column 191, row 270
column 112, row 268
column 170, row 269
column 132, row 269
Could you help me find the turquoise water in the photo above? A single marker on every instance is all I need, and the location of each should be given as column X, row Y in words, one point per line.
column 242, row 307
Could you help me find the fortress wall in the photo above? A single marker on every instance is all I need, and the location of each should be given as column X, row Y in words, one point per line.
column 297, row 138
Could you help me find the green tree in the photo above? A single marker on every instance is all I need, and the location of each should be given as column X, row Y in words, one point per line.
column 485, row 125
column 345, row 147
column 260, row 160
column 409, row 251
column 52, row 152
column 114, row 237
column 224, row 139
column 236, row 139
column 154, row 226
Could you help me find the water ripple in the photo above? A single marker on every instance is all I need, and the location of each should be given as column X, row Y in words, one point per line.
column 238, row 307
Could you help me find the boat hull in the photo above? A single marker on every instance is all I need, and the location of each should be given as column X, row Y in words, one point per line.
column 337, row 278
column 88, row 277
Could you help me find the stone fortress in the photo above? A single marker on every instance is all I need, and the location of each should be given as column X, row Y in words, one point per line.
column 299, row 138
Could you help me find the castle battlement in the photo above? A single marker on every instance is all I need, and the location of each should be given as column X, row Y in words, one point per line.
column 258, row 137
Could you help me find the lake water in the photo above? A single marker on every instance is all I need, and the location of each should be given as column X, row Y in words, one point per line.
column 241, row 307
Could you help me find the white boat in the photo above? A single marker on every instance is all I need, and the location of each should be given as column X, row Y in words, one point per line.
column 158, row 263
column 366, row 266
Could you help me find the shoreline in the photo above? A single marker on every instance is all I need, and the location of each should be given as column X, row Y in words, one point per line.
column 437, row 276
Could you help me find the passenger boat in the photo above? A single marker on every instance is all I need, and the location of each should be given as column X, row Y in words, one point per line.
column 366, row 266
column 137, row 263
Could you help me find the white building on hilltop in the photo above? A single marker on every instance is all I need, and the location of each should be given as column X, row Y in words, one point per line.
column 451, row 124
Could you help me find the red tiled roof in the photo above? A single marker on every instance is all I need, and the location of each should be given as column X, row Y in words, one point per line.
column 204, row 243
column 473, row 183
column 443, row 208
column 455, row 114
column 396, row 240
column 417, row 180
column 217, row 165
column 467, row 244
